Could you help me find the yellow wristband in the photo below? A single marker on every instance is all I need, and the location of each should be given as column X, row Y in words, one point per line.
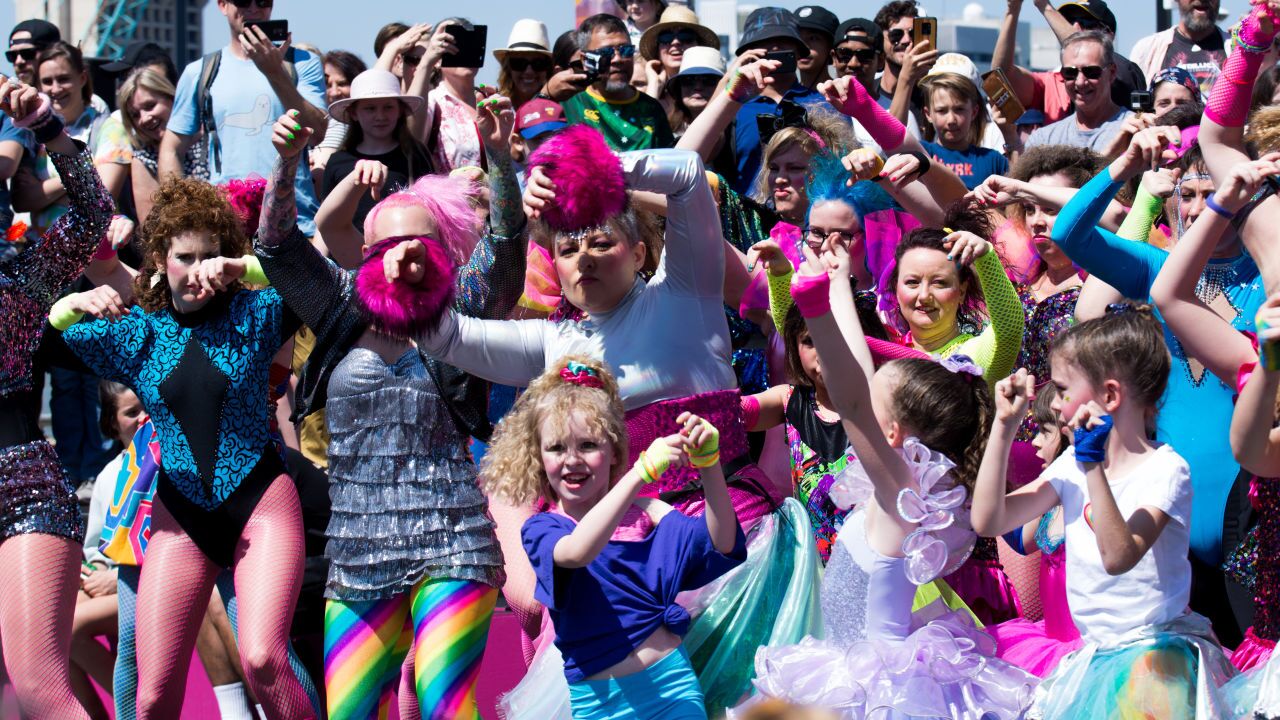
column 61, row 316
column 253, row 272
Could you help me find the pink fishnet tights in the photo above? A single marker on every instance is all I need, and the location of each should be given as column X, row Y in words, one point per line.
column 518, row 590
column 176, row 581
column 37, row 601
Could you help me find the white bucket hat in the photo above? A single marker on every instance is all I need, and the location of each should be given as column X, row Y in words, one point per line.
column 699, row 61
column 372, row 84
column 529, row 36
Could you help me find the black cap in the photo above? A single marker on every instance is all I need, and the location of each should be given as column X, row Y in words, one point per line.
column 816, row 17
column 135, row 55
column 858, row 27
column 1094, row 9
column 768, row 23
column 42, row 33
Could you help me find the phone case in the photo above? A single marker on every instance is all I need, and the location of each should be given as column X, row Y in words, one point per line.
column 471, row 47
column 925, row 28
column 1000, row 93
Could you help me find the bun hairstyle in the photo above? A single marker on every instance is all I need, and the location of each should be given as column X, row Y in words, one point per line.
column 961, row 216
column 512, row 469
column 1125, row 344
column 949, row 411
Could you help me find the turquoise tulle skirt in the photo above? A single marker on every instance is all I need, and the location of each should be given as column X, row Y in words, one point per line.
column 771, row 599
column 1255, row 693
column 1171, row 672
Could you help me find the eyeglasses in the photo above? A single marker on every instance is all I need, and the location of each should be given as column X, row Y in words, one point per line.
column 816, row 237
column 896, row 35
column 622, row 51
column 242, row 4
column 864, row 55
column 684, row 35
column 27, row 54
column 1091, row 72
column 520, row 64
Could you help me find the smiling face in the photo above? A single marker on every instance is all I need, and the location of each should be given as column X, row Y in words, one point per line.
column 186, row 251
column 856, row 50
column 1198, row 16
column 642, row 12
column 952, row 117
column 596, row 271
column 929, row 292
column 671, row 53
column 578, row 460
column 378, row 117
column 150, row 113
column 787, row 171
column 1040, row 220
column 64, row 86
column 532, row 73
column 337, row 86
column 1088, row 95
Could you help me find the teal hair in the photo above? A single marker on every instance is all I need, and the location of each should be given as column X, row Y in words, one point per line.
column 828, row 183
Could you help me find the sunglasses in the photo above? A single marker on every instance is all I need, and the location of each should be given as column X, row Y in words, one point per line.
column 412, row 58
column 520, row 64
column 27, row 54
column 1091, row 72
column 242, row 4
column 865, row 55
column 896, row 35
column 684, row 35
column 622, row 51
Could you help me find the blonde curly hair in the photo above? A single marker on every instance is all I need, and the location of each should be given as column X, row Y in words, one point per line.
column 512, row 469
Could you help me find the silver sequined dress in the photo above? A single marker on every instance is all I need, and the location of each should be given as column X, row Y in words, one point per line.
column 406, row 504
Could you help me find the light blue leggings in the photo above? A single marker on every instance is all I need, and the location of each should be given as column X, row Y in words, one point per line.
column 667, row 690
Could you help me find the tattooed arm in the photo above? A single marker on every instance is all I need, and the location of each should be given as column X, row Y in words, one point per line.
column 279, row 217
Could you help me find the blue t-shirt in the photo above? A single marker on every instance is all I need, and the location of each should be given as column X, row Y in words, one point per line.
column 9, row 133
column 605, row 610
column 746, row 134
column 973, row 165
column 245, row 107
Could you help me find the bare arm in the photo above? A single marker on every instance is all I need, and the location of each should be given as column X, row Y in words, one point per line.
column 1002, row 57
column 1255, row 443
column 173, row 147
column 10, row 157
column 336, row 214
column 747, row 80
column 31, row 194
column 994, row 511
column 435, row 45
column 1094, row 298
column 1121, row 542
column 269, row 60
column 114, row 177
column 772, row 404
column 279, row 218
column 1061, row 28
column 144, row 187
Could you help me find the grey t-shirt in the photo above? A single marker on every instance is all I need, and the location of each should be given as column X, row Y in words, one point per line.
column 1067, row 132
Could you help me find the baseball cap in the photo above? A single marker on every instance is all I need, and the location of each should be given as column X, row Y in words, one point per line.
column 1032, row 116
column 41, row 32
column 539, row 116
column 1095, row 9
column 816, row 17
column 136, row 54
column 856, row 27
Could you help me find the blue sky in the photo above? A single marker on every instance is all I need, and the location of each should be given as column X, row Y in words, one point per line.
column 332, row 24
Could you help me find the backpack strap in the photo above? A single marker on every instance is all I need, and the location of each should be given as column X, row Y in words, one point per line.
column 204, row 106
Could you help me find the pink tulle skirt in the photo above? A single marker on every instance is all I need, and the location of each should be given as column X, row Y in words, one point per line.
column 1028, row 645
column 1253, row 652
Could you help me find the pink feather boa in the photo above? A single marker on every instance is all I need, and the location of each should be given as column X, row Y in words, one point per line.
column 402, row 309
column 590, row 185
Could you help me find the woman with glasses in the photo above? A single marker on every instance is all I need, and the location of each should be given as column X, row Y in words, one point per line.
column 526, row 62
column 662, row 48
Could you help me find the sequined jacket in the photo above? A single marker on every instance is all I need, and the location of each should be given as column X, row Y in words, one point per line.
column 33, row 280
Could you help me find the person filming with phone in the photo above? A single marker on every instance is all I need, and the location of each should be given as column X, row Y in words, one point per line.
column 628, row 119
column 235, row 96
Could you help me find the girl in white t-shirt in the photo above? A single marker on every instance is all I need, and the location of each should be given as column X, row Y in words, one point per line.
column 1126, row 505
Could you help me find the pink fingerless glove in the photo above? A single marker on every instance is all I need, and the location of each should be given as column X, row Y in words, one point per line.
column 1232, row 92
column 812, row 294
column 883, row 127
column 37, row 116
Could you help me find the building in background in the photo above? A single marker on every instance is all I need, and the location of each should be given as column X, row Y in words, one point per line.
column 103, row 27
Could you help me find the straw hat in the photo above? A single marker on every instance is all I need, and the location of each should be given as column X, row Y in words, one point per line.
column 674, row 18
column 372, row 84
column 528, row 36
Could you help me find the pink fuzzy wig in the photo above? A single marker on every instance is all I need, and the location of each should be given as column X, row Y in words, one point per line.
column 245, row 197
column 449, row 202
column 590, row 186
column 399, row 308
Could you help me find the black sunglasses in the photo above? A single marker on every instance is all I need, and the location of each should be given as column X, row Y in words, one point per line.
column 864, row 55
column 896, row 35
column 27, row 54
column 1091, row 72
column 411, row 57
column 242, row 4
column 520, row 64
column 622, row 51
column 684, row 35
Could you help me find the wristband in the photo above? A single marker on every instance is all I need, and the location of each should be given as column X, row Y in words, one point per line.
column 736, row 88
column 36, row 116
column 1091, row 443
column 61, row 316
column 1268, row 350
column 650, row 471
column 812, row 294
column 708, row 453
column 253, row 272
column 750, row 406
column 925, row 162
column 105, row 250
column 1211, row 203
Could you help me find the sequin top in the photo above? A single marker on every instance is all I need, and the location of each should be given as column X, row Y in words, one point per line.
column 819, row 453
column 1195, row 412
column 32, row 280
column 1045, row 319
column 227, row 347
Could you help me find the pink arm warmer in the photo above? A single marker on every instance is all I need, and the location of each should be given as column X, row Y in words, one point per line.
column 883, row 127
column 1232, row 93
column 882, row 351
column 750, row 405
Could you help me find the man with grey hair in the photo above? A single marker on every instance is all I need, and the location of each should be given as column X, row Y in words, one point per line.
column 628, row 119
column 1196, row 44
column 1088, row 69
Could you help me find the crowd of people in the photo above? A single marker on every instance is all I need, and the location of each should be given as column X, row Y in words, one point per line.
column 825, row 376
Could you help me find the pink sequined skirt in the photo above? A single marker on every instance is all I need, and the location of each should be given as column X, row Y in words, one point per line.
column 1253, row 652
column 35, row 494
column 984, row 587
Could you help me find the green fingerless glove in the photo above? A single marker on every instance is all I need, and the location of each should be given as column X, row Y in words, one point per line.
column 253, row 272
column 708, row 453
column 61, row 316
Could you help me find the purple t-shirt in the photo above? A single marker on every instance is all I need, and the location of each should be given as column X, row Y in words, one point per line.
column 605, row 610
